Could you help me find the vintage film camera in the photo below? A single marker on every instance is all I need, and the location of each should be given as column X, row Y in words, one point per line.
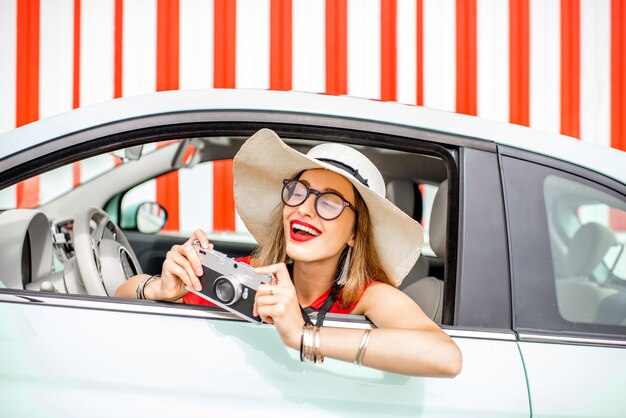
column 229, row 284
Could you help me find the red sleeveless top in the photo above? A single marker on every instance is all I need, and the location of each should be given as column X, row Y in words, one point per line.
column 192, row 298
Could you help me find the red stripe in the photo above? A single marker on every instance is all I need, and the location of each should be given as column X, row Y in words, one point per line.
column 570, row 67
column 168, row 35
column 519, row 71
column 618, row 74
column 117, row 58
column 280, row 45
column 27, row 89
column 225, row 19
column 27, row 86
column 76, row 77
column 168, row 21
column 336, row 47
column 224, row 77
column 466, row 57
column 388, row 54
column 419, row 26
column 76, row 69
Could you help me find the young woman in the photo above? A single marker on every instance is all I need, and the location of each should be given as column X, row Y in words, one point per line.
column 334, row 244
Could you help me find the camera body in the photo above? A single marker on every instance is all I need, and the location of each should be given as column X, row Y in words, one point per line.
column 229, row 284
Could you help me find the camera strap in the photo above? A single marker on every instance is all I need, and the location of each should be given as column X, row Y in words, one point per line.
column 321, row 315
column 328, row 303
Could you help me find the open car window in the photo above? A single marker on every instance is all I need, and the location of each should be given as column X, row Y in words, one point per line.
column 193, row 197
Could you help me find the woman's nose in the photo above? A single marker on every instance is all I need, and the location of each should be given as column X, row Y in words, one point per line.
column 308, row 206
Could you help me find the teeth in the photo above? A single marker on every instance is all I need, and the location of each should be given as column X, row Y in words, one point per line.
column 305, row 229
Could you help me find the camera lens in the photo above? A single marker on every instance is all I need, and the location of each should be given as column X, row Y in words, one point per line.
column 226, row 290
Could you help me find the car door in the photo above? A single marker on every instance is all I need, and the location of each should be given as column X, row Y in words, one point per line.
column 569, row 269
column 86, row 355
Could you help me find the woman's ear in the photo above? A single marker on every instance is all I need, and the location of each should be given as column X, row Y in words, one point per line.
column 351, row 241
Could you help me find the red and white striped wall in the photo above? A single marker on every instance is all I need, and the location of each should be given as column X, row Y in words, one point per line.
column 555, row 65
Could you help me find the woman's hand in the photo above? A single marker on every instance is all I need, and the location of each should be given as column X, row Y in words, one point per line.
column 182, row 267
column 278, row 304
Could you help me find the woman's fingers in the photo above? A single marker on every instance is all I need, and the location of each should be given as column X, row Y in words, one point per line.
column 280, row 272
column 180, row 266
column 173, row 270
column 201, row 236
column 194, row 258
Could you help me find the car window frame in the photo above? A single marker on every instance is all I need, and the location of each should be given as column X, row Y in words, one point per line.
column 352, row 131
column 561, row 329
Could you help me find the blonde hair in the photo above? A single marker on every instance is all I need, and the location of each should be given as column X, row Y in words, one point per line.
column 365, row 264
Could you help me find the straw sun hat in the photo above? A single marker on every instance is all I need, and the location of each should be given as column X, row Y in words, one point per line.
column 265, row 160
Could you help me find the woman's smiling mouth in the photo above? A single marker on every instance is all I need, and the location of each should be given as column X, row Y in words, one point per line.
column 302, row 231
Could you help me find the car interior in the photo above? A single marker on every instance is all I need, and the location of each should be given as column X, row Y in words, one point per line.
column 589, row 262
column 76, row 241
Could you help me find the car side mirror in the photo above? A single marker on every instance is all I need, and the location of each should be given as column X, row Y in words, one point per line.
column 150, row 217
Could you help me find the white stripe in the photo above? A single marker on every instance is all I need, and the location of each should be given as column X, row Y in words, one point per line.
column 8, row 45
column 406, row 36
column 595, row 71
column 56, row 57
column 139, row 51
column 196, row 44
column 545, row 65
column 308, row 45
column 493, row 59
column 94, row 166
column 253, row 44
column 8, row 198
column 196, row 198
column 364, row 48
column 439, row 54
column 145, row 192
column 55, row 183
column 97, row 49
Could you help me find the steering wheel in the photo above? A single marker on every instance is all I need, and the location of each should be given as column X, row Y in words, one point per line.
column 104, row 257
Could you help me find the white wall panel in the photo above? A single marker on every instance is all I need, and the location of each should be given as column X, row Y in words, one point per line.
column 56, row 57
column 196, row 198
column 139, row 51
column 493, row 59
column 308, row 45
column 406, row 36
column 440, row 54
column 545, row 65
column 196, row 44
column 97, row 49
column 8, row 65
column 54, row 183
column 595, row 71
column 8, row 198
column 364, row 48
column 253, row 44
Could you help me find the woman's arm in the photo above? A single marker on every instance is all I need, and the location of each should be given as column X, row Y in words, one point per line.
column 406, row 340
column 182, row 267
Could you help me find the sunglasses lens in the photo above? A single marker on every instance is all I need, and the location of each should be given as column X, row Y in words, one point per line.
column 294, row 193
column 329, row 206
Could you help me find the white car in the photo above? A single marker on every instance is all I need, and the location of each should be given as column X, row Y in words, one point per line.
column 524, row 267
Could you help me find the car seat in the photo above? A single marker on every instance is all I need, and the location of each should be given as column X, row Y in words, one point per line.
column 426, row 291
column 578, row 294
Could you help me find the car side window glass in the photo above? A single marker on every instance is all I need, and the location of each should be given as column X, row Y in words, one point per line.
column 587, row 237
column 188, row 197
column 567, row 238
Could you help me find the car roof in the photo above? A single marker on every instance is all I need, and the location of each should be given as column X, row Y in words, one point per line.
column 605, row 160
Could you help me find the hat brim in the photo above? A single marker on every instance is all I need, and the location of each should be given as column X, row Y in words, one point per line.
column 265, row 160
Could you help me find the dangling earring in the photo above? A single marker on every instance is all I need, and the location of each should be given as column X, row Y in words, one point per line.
column 345, row 268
